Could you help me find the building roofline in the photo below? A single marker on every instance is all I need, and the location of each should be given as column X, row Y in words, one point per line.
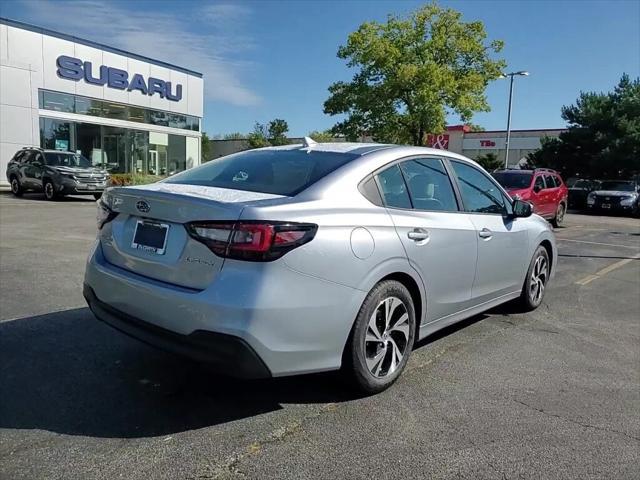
column 525, row 130
column 90, row 43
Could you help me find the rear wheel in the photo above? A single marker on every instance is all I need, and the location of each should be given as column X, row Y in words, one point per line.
column 559, row 218
column 381, row 339
column 535, row 284
column 16, row 188
column 49, row 190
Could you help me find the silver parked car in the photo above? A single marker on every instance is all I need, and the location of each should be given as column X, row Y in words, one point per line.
column 314, row 257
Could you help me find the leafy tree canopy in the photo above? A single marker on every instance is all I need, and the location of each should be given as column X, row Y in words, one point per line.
column 277, row 132
column 321, row 137
column 603, row 135
column 489, row 161
column 412, row 72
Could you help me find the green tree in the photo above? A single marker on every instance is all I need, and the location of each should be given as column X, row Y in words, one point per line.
column 277, row 132
column 321, row 137
column 489, row 161
column 258, row 137
column 602, row 138
column 205, row 147
column 235, row 136
column 474, row 127
column 411, row 73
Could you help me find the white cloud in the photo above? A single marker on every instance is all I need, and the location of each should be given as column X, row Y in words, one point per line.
column 207, row 39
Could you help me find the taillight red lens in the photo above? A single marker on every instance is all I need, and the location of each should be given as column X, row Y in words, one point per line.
column 253, row 241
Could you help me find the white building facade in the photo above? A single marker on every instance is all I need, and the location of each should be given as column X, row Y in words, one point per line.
column 125, row 112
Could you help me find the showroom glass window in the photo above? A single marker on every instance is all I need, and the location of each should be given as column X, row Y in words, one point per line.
column 56, row 134
column 429, row 185
column 479, row 193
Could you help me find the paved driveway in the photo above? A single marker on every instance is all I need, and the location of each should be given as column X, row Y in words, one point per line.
column 554, row 393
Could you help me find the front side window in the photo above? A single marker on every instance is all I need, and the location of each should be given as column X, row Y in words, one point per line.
column 479, row 193
column 62, row 159
column 539, row 185
column 429, row 185
column 279, row 172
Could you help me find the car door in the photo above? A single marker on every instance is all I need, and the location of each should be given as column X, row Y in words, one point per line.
column 502, row 239
column 439, row 240
column 28, row 170
column 551, row 194
column 538, row 198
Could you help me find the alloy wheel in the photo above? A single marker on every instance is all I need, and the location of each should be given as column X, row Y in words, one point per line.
column 48, row 190
column 560, row 214
column 387, row 337
column 538, row 279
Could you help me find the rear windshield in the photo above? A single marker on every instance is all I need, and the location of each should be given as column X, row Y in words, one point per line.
column 280, row 172
column 65, row 160
column 619, row 186
column 513, row 180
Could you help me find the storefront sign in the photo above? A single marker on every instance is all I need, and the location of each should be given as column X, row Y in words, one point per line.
column 498, row 143
column 440, row 141
column 75, row 69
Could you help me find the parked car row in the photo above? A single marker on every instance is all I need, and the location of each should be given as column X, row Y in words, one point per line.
column 551, row 197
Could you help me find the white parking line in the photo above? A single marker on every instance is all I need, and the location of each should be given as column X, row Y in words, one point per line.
column 598, row 243
column 606, row 270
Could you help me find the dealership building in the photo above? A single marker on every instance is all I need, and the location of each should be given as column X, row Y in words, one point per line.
column 126, row 112
column 460, row 139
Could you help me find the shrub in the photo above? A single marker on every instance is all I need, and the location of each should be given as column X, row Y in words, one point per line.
column 127, row 179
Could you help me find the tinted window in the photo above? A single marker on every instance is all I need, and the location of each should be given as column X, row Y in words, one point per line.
column 429, row 185
column 280, row 172
column 558, row 180
column 513, row 180
column 539, row 182
column 61, row 159
column 393, row 189
column 619, row 186
column 479, row 193
column 550, row 181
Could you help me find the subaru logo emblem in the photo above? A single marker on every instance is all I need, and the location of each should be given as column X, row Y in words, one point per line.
column 143, row 206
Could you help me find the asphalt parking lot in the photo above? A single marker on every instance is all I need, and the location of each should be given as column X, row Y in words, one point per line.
column 550, row 394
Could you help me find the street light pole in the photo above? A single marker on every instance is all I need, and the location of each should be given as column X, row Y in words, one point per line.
column 511, row 75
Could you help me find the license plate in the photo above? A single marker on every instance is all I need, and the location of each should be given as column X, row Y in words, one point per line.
column 606, row 205
column 150, row 237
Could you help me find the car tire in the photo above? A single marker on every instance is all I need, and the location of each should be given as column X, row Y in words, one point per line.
column 381, row 339
column 16, row 188
column 536, row 281
column 97, row 196
column 559, row 218
column 49, row 190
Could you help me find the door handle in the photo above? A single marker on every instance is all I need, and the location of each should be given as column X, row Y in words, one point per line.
column 418, row 234
column 485, row 233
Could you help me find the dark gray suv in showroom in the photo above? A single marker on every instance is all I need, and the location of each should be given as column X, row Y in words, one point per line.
column 55, row 173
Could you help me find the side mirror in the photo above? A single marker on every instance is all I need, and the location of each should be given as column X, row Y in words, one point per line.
column 522, row 209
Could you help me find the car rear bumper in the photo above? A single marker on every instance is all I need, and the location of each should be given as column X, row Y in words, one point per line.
column 226, row 352
column 293, row 323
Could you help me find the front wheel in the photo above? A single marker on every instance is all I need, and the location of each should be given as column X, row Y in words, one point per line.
column 381, row 339
column 559, row 218
column 535, row 284
column 49, row 190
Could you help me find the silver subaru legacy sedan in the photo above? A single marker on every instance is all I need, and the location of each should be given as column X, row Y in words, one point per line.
column 314, row 257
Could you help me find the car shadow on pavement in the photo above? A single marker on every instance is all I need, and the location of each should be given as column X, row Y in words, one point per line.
column 39, row 197
column 66, row 372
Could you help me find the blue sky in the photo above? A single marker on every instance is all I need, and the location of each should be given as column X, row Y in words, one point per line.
column 268, row 59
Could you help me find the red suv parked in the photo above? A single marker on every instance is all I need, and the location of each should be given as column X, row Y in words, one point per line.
column 542, row 187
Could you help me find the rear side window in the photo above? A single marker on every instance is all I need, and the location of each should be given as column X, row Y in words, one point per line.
column 551, row 182
column 280, row 172
column 558, row 180
column 393, row 189
column 429, row 185
column 479, row 193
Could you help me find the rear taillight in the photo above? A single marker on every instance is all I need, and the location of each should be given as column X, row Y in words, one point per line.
column 104, row 214
column 255, row 241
